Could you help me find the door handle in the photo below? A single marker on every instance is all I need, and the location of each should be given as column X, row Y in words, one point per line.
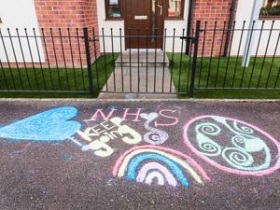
column 160, row 7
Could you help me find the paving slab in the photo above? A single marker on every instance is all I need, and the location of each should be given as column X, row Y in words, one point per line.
column 132, row 154
column 139, row 82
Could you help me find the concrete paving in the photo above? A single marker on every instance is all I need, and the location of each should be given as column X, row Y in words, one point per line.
column 94, row 154
column 140, row 76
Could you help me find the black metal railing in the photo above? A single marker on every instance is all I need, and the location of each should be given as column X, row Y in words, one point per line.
column 144, row 68
column 251, row 62
column 87, row 61
column 83, row 61
column 45, row 61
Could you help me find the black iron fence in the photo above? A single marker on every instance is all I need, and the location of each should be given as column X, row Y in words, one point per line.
column 45, row 61
column 250, row 62
column 85, row 61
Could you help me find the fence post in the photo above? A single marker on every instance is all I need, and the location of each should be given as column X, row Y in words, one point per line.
column 196, row 42
column 88, row 57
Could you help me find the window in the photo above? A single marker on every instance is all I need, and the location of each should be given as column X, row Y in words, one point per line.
column 175, row 8
column 270, row 8
column 113, row 9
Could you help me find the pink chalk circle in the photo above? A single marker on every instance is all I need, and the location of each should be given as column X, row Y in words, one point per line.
column 244, row 142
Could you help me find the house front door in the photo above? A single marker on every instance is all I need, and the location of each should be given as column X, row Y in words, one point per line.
column 144, row 22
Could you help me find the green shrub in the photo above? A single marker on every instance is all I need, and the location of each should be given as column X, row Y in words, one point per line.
column 264, row 11
column 274, row 10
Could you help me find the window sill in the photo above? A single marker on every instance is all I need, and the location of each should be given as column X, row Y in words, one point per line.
column 114, row 19
column 276, row 17
column 174, row 18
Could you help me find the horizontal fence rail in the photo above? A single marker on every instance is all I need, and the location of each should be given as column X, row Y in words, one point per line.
column 251, row 62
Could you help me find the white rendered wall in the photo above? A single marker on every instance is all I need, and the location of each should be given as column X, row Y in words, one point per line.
column 244, row 11
column 19, row 14
column 117, row 25
column 179, row 26
column 105, row 27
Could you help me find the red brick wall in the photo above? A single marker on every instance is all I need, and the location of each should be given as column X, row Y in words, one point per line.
column 64, row 14
column 211, row 11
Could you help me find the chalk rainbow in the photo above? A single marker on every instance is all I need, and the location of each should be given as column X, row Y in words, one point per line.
column 148, row 164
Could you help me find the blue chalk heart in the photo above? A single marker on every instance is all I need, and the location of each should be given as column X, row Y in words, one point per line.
column 51, row 125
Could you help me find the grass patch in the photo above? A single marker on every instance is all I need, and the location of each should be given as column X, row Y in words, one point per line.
column 226, row 78
column 215, row 78
column 55, row 82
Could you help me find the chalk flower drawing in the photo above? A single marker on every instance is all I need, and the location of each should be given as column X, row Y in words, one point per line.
column 160, row 165
column 233, row 145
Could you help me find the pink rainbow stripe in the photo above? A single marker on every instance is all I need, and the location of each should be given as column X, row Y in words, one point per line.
column 223, row 168
column 171, row 151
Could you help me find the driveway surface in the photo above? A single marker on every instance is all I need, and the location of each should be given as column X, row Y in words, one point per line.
column 86, row 154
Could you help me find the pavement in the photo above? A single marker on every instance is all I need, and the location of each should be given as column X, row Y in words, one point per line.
column 139, row 75
column 139, row 154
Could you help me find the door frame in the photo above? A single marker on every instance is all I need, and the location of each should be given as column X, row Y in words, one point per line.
column 159, row 12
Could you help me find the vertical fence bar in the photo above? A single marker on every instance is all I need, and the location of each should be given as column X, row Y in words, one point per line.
column 265, row 54
column 245, row 60
column 121, row 52
column 23, row 58
column 172, row 59
column 256, row 54
column 130, row 64
column 113, row 57
column 87, row 48
column 8, row 60
column 202, row 54
column 104, row 59
column 155, row 68
column 220, row 52
column 4, row 75
column 32, row 59
column 77, row 36
column 95, row 57
column 72, row 58
column 63, row 56
column 39, row 57
column 196, row 43
column 181, row 62
column 211, row 56
column 163, row 68
column 55, row 57
column 138, row 59
column 147, row 58
column 189, row 64
column 277, row 78
column 48, row 57
column 238, row 54
column 272, row 62
column 15, row 56
column 227, row 68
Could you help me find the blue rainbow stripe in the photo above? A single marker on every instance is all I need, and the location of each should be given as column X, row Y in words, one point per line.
column 132, row 168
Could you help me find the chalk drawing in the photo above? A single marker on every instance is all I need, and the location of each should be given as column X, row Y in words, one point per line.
column 159, row 165
column 232, row 145
column 51, row 125
column 174, row 120
column 100, row 135
column 154, row 136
